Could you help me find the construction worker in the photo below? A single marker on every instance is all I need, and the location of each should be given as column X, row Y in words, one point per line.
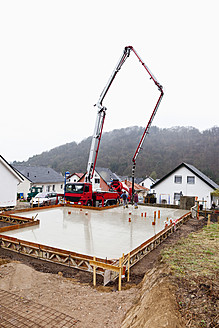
column 136, row 200
column 124, row 197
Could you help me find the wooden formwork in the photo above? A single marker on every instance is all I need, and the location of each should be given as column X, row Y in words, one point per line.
column 138, row 253
column 109, row 269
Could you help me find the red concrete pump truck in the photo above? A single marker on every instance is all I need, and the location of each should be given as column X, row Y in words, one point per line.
column 82, row 193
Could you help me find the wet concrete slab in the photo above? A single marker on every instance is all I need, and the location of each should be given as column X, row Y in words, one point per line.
column 105, row 234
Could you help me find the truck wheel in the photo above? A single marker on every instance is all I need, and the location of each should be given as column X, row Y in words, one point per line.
column 89, row 203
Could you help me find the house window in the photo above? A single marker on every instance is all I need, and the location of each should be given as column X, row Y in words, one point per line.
column 191, row 180
column 53, row 187
column 96, row 180
column 61, row 186
column 178, row 179
column 177, row 195
column 48, row 188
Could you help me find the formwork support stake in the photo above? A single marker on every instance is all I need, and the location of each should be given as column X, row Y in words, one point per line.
column 94, row 273
column 209, row 220
column 128, row 273
column 120, row 274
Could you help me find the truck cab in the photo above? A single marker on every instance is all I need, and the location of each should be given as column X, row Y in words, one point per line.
column 33, row 192
column 79, row 193
column 82, row 194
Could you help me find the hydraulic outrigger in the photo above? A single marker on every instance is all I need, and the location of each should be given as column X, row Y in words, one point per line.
column 95, row 144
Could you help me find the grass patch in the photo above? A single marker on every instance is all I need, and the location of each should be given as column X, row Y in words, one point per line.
column 195, row 262
column 195, row 255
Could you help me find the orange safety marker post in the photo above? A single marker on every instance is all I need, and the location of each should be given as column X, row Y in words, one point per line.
column 158, row 214
column 69, row 212
column 155, row 214
column 123, row 266
column 123, row 271
column 142, row 214
column 153, row 222
column 130, row 220
column 145, row 214
column 94, row 272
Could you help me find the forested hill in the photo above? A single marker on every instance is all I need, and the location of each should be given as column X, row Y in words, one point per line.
column 163, row 150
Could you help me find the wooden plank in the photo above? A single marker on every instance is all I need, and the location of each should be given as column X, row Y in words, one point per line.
column 120, row 274
column 94, row 273
column 104, row 266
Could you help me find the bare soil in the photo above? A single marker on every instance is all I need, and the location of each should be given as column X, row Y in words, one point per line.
column 150, row 299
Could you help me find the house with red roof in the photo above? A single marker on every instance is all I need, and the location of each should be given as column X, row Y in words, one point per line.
column 75, row 177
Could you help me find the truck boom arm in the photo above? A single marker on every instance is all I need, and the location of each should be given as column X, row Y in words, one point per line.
column 95, row 144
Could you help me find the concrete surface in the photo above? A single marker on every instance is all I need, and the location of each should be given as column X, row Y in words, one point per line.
column 105, row 234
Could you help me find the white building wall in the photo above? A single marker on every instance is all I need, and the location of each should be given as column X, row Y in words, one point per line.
column 73, row 178
column 96, row 181
column 8, row 187
column 147, row 183
column 165, row 190
column 51, row 186
column 24, row 187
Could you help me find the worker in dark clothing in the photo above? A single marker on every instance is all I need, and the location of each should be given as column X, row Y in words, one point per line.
column 136, row 200
column 124, row 197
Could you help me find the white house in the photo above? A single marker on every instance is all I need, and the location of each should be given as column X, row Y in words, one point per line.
column 75, row 177
column 9, row 180
column 24, row 187
column 184, row 180
column 147, row 182
column 39, row 176
column 101, row 179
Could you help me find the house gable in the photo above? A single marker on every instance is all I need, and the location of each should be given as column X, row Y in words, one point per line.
column 75, row 177
column 184, row 180
column 10, row 169
column 9, row 180
column 147, row 182
column 101, row 178
column 194, row 170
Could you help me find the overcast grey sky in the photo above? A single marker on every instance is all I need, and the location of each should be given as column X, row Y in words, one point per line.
column 57, row 56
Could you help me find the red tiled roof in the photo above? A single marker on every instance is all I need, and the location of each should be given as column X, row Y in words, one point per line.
column 80, row 175
column 136, row 186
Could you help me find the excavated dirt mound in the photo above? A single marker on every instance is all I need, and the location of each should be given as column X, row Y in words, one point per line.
column 156, row 306
column 151, row 304
column 89, row 306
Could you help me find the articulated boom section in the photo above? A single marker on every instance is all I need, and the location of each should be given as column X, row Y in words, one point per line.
column 95, row 144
